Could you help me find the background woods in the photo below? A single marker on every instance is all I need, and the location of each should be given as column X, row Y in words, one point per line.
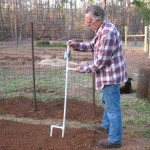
column 62, row 19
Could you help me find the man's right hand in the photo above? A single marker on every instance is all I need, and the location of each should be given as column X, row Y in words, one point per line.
column 72, row 43
column 77, row 69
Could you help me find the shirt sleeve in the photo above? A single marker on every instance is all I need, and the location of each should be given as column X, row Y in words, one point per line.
column 102, row 55
column 86, row 46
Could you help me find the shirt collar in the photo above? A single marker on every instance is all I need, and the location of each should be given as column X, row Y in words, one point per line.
column 101, row 26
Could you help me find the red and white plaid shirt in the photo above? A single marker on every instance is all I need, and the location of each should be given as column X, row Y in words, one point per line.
column 109, row 62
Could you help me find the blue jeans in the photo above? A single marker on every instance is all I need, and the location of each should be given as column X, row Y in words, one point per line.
column 112, row 117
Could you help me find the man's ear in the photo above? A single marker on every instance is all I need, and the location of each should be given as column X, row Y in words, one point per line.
column 97, row 19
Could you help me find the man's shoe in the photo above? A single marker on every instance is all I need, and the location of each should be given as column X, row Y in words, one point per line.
column 106, row 144
column 98, row 127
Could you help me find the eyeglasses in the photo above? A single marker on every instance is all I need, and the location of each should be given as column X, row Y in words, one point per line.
column 90, row 22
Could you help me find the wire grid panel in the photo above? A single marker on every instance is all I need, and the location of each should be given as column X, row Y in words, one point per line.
column 15, row 69
column 50, row 26
column 17, row 78
column 50, row 75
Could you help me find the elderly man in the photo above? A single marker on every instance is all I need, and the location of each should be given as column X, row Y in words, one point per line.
column 109, row 66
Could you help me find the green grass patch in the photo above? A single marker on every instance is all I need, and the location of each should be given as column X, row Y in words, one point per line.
column 40, row 44
column 58, row 45
column 143, row 119
column 137, row 114
column 142, row 106
column 15, row 84
column 145, row 133
column 50, row 84
column 128, row 122
column 4, row 70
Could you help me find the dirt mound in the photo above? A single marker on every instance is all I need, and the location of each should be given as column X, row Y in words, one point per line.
column 76, row 110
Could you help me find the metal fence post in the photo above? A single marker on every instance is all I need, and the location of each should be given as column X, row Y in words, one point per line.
column 126, row 34
column 33, row 66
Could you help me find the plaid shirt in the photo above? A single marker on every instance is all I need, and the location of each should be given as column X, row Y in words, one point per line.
column 109, row 62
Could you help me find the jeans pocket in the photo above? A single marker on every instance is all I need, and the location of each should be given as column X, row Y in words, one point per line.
column 111, row 96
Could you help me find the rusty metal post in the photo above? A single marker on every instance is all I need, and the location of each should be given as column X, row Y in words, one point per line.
column 94, row 112
column 94, row 94
column 33, row 66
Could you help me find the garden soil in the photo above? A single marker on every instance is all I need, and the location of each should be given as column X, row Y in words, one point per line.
column 30, row 135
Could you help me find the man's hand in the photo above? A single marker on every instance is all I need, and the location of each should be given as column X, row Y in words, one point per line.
column 77, row 69
column 72, row 43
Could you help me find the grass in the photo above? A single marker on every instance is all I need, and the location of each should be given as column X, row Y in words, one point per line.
column 39, row 44
column 3, row 70
column 128, row 122
column 145, row 133
column 136, row 113
column 142, row 106
column 50, row 84
column 17, row 85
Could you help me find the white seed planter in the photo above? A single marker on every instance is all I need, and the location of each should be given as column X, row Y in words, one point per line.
column 66, row 56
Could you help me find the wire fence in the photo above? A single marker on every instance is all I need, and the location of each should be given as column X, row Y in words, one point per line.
column 17, row 72
column 33, row 71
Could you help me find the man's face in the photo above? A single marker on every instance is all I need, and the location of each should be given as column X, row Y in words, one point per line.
column 91, row 23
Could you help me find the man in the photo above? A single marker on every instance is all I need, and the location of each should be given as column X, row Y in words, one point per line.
column 109, row 66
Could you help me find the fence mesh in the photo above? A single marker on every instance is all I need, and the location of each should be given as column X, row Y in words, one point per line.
column 54, row 22
column 17, row 69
